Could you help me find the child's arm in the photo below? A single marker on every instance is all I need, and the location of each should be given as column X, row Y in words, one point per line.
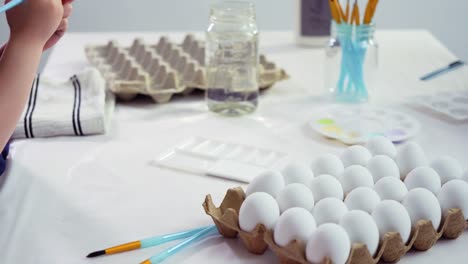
column 32, row 28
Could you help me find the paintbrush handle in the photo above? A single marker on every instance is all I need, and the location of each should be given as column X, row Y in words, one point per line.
column 212, row 230
column 155, row 241
column 10, row 5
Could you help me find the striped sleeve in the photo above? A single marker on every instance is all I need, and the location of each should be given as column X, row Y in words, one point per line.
column 3, row 158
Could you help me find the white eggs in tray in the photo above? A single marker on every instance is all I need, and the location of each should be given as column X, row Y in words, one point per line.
column 448, row 168
column 297, row 173
column 329, row 210
column 258, row 208
column 362, row 198
column 361, row 228
column 381, row 166
column 422, row 204
column 327, row 164
column 380, row 145
column 270, row 182
column 386, row 191
column 391, row 216
column 328, row 240
column 390, row 188
column 325, row 186
column 465, row 176
column 454, row 194
column 409, row 157
column 423, row 177
column 355, row 176
column 294, row 224
column 295, row 195
column 355, row 155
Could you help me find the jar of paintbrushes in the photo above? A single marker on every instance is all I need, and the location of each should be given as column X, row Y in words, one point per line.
column 352, row 53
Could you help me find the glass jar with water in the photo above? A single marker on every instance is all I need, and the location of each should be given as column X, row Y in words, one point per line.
column 232, row 59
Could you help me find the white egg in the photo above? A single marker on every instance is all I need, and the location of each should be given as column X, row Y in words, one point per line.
column 422, row 204
column 328, row 241
column 454, row 194
column 448, row 168
column 381, row 166
column 380, row 145
column 423, row 177
column 390, row 188
column 465, row 176
column 362, row 198
column 325, row 186
column 295, row 195
column 327, row 164
column 355, row 155
column 409, row 157
column 329, row 210
column 258, row 208
column 271, row 182
column 361, row 228
column 294, row 224
column 391, row 216
column 355, row 176
column 297, row 173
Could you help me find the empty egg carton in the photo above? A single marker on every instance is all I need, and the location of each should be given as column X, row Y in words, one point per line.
column 423, row 237
column 163, row 69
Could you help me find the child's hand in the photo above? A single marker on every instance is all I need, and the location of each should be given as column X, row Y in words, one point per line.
column 36, row 22
column 63, row 26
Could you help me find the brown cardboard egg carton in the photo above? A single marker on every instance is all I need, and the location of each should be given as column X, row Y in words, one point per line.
column 163, row 69
column 423, row 237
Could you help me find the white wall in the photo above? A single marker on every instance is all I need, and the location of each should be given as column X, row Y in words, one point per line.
column 448, row 20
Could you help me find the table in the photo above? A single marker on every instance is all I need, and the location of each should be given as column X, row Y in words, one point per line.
column 65, row 197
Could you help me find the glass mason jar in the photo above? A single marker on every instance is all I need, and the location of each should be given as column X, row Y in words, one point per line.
column 351, row 63
column 232, row 59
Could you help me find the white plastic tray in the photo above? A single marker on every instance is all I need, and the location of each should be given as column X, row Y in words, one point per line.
column 451, row 104
column 216, row 158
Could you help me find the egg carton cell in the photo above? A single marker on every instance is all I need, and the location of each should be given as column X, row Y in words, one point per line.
column 163, row 69
column 391, row 249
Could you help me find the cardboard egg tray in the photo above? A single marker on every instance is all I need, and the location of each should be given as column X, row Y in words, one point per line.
column 423, row 237
column 163, row 69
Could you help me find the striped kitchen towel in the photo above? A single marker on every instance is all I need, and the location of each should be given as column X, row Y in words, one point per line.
column 77, row 107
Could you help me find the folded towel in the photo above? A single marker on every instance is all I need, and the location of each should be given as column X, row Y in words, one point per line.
column 77, row 107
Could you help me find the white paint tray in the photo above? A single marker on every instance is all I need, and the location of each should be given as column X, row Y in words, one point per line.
column 216, row 158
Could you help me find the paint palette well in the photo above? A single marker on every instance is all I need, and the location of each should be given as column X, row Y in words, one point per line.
column 451, row 104
column 356, row 124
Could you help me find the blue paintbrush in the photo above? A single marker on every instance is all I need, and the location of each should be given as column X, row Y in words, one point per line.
column 10, row 5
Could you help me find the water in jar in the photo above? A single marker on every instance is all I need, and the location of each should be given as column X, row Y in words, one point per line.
column 232, row 59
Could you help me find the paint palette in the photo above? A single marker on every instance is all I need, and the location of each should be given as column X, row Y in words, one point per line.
column 356, row 124
column 220, row 159
column 451, row 104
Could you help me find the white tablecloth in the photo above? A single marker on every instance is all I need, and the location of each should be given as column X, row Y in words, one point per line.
column 65, row 197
